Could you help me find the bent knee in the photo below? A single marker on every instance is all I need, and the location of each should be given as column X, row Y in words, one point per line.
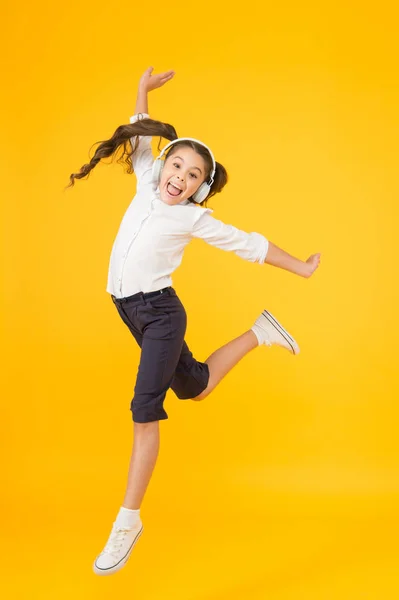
column 200, row 396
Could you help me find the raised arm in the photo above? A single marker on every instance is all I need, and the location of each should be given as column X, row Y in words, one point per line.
column 142, row 158
column 142, row 100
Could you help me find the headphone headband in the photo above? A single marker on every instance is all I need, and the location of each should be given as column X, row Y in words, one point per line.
column 212, row 175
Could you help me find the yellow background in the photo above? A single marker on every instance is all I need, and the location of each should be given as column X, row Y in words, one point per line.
column 283, row 484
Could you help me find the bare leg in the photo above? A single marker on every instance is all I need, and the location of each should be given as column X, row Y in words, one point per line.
column 146, row 435
column 226, row 357
column 142, row 462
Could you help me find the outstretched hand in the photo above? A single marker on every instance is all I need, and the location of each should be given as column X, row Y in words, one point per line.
column 150, row 82
column 312, row 263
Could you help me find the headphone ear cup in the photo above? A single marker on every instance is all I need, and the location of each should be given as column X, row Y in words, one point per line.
column 202, row 192
column 157, row 170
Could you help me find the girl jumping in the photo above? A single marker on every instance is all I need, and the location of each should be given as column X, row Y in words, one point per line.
column 168, row 210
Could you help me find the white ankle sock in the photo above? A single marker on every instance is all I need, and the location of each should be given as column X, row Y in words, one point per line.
column 127, row 517
column 259, row 333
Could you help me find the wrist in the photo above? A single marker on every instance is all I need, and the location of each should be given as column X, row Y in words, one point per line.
column 304, row 270
column 142, row 89
column 142, row 101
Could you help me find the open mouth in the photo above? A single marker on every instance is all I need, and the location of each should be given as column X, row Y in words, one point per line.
column 173, row 191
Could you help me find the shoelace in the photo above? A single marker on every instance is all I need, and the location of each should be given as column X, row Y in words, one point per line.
column 116, row 540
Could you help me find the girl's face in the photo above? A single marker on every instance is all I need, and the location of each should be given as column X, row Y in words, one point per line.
column 184, row 170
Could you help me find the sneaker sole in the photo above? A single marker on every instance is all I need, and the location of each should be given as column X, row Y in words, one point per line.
column 122, row 561
column 288, row 338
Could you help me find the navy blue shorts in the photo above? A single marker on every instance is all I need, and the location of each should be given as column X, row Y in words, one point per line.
column 158, row 321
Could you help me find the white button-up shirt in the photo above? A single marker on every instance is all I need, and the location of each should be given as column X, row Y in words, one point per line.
column 152, row 235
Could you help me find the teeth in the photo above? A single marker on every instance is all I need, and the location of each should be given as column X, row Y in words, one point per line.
column 175, row 186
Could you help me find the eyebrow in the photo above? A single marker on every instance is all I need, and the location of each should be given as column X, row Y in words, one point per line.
column 191, row 167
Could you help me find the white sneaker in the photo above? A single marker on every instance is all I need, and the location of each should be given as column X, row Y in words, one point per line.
column 269, row 331
column 117, row 549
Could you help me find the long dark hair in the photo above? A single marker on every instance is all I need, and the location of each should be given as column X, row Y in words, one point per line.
column 126, row 136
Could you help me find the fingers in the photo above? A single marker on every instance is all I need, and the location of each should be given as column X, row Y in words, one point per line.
column 167, row 74
column 156, row 81
column 166, row 78
column 162, row 76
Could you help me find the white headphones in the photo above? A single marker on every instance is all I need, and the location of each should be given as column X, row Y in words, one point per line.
column 204, row 188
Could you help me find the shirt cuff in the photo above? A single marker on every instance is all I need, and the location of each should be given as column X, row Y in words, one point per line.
column 265, row 249
column 139, row 116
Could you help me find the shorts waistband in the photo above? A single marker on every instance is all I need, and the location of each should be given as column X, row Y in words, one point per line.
column 141, row 295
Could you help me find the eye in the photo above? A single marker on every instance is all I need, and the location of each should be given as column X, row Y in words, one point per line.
column 175, row 164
